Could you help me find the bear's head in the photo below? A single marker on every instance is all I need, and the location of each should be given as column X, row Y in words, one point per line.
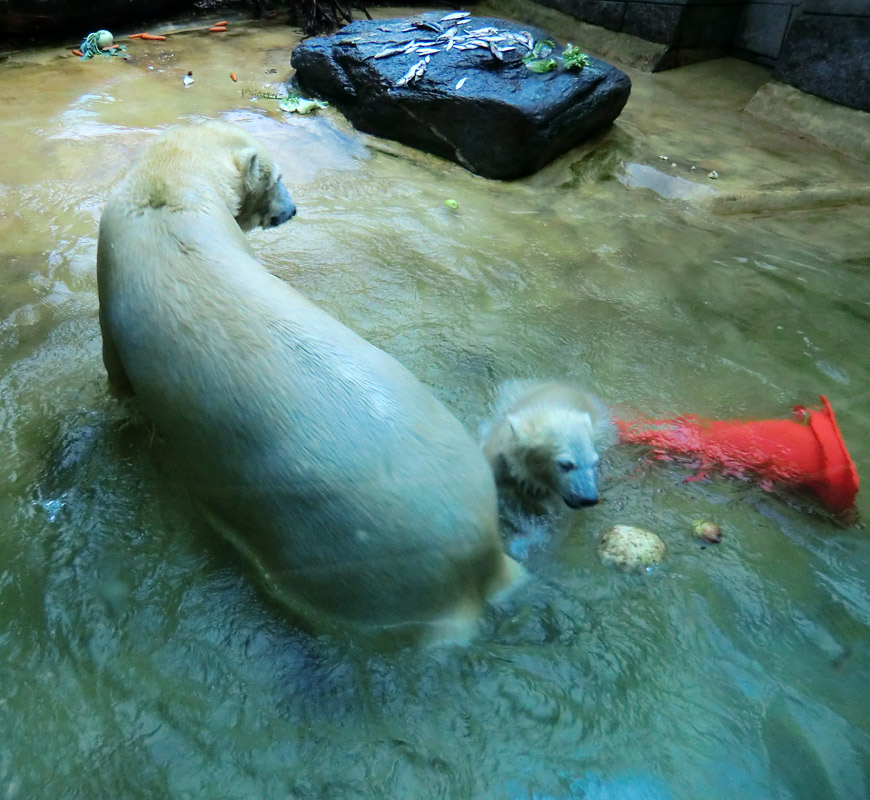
column 221, row 160
column 554, row 452
column 266, row 203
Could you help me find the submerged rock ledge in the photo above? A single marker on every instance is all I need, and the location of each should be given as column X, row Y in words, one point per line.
column 456, row 86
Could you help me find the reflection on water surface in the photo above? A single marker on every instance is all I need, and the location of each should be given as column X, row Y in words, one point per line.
column 139, row 659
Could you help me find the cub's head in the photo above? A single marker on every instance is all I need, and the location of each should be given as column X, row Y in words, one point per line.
column 554, row 452
column 223, row 161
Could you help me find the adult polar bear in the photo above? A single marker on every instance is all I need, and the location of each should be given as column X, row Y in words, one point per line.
column 355, row 491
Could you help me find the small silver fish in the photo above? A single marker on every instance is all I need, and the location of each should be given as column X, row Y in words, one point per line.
column 496, row 53
column 412, row 74
column 448, row 35
column 428, row 51
column 457, row 15
column 391, row 51
column 426, row 25
column 461, row 82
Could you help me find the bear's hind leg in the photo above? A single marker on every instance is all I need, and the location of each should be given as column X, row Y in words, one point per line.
column 119, row 383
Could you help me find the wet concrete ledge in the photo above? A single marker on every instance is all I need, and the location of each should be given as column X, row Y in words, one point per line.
column 846, row 130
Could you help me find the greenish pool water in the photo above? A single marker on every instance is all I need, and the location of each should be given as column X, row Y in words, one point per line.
column 139, row 657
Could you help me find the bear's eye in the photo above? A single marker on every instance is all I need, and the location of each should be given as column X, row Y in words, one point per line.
column 566, row 464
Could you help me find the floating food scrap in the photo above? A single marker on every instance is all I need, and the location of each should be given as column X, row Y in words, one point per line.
column 99, row 43
column 630, row 549
column 707, row 530
column 297, row 104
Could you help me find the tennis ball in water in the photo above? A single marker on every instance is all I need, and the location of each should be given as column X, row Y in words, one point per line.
column 451, row 203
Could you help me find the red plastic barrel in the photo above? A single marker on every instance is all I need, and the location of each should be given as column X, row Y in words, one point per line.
column 807, row 451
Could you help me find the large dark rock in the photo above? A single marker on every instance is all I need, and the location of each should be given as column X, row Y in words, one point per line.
column 487, row 111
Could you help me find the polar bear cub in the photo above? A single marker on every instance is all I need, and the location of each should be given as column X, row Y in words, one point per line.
column 545, row 441
column 354, row 490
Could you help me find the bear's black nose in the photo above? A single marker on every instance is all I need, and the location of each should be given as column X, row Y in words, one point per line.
column 280, row 219
column 580, row 502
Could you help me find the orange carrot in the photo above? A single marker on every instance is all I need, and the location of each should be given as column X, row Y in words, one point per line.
column 112, row 47
column 217, row 29
column 153, row 38
column 221, row 24
column 233, row 76
column 136, row 35
column 76, row 52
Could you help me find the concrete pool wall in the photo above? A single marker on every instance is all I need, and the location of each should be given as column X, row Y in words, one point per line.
column 819, row 46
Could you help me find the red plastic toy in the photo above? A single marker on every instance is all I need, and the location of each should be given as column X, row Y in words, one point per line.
column 807, row 450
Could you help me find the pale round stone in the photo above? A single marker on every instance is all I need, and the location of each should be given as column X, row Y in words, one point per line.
column 629, row 548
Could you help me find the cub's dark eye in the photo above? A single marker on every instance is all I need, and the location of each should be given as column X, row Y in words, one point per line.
column 566, row 465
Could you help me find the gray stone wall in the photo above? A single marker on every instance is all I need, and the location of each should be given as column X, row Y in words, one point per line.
column 694, row 29
column 762, row 27
column 819, row 46
column 826, row 51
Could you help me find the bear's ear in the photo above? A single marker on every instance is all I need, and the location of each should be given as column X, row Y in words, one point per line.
column 248, row 162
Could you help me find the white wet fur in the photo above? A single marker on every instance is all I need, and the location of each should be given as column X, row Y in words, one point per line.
column 543, row 444
column 353, row 489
